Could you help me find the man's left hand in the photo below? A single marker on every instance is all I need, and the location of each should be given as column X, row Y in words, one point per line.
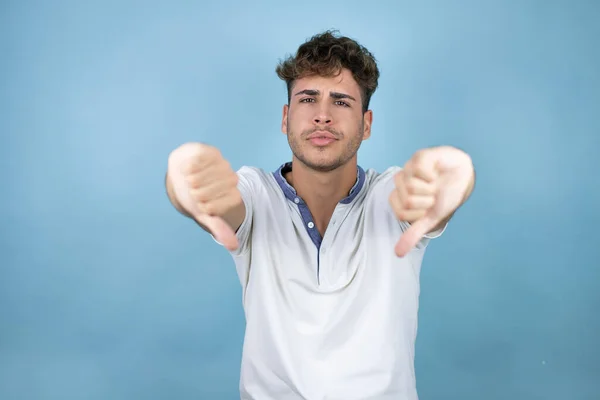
column 428, row 190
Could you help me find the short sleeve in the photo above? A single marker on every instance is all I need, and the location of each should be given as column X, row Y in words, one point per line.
column 243, row 234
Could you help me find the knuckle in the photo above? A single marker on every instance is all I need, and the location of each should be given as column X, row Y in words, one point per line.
column 198, row 147
column 202, row 196
column 394, row 200
column 402, row 215
column 189, row 150
column 201, row 151
column 195, row 146
column 201, row 207
column 188, row 168
column 212, row 152
column 193, row 181
column 419, row 155
column 195, row 194
column 399, row 178
column 210, row 208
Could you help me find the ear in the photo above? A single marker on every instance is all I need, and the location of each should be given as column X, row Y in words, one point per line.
column 367, row 121
column 284, row 119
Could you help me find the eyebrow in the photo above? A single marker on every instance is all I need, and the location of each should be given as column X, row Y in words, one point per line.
column 335, row 95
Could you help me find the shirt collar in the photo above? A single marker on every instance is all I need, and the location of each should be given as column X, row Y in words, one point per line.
column 291, row 194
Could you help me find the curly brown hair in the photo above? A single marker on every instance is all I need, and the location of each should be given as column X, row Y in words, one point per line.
column 326, row 54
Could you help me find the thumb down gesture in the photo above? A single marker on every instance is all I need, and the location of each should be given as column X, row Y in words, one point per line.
column 205, row 187
column 428, row 190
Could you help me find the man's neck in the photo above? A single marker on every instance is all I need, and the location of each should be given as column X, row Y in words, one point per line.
column 322, row 191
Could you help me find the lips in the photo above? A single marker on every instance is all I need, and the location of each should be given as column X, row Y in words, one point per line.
column 322, row 135
column 321, row 141
column 321, row 138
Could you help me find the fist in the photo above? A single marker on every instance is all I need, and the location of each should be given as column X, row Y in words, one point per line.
column 414, row 194
column 205, row 186
column 430, row 187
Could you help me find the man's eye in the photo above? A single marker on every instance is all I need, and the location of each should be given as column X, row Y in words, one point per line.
column 342, row 103
column 306, row 100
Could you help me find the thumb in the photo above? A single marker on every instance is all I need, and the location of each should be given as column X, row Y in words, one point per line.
column 220, row 230
column 411, row 237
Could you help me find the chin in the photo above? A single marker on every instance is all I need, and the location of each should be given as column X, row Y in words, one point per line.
column 321, row 164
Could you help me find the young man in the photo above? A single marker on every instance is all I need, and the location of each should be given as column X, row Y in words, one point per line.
column 328, row 254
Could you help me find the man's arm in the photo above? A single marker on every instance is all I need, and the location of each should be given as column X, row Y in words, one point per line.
column 202, row 186
column 433, row 184
column 234, row 217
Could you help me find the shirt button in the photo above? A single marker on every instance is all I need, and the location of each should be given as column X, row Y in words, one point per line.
column 311, row 225
column 296, row 200
column 323, row 250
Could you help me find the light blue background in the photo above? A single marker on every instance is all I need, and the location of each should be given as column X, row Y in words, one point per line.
column 107, row 293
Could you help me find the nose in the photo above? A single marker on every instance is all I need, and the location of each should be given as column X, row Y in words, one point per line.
column 323, row 116
column 322, row 120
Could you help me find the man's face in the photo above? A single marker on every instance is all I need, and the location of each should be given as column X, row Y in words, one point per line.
column 324, row 121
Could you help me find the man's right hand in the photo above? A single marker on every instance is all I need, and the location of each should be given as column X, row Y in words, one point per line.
column 205, row 187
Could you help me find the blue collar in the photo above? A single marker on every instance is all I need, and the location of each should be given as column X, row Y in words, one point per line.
column 290, row 192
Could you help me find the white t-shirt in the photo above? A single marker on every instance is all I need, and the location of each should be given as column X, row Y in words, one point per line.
column 332, row 317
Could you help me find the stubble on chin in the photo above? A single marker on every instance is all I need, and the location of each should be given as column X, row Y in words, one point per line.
column 321, row 160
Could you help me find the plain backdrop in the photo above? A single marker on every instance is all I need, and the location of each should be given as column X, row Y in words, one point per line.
column 107, row 293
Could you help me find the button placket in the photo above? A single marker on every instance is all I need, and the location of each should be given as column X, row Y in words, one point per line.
column 329, row 235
